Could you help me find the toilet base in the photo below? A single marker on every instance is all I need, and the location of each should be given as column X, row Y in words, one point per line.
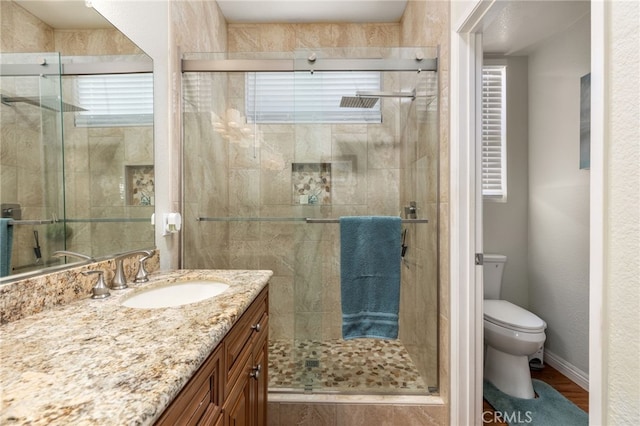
column 509, row 373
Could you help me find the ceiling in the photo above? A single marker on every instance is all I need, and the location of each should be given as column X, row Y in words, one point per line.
column 513, row 28
column 517, row 27
column 280, row 11
column 74, row 14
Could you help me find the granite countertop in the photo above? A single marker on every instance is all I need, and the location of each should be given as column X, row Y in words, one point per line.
column 96, row 362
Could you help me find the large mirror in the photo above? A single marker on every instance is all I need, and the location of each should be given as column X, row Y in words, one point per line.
column 76, row 125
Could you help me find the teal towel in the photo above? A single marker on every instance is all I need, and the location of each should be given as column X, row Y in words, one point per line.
column 6, row 241
column 370, row 248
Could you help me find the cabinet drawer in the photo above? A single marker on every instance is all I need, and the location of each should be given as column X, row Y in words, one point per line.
column 252, row 323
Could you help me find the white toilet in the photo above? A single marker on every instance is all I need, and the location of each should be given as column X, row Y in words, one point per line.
column 511, row 334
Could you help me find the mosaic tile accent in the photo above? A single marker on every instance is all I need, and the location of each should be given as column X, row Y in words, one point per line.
column 140, row 185
column 358, row 365
column 311, row 183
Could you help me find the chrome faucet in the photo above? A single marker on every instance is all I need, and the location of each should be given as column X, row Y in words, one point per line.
column 119, row 280
column 61, row 253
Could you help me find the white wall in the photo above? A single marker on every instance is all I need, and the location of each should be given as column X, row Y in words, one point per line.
column 559, row 194
column 505, row 223
column 153, row 38
column 622, row 214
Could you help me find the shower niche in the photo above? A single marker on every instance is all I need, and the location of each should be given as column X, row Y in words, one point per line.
column 311, row 183
column 140, row 185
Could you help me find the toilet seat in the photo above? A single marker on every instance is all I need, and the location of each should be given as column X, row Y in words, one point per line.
column 513, row 317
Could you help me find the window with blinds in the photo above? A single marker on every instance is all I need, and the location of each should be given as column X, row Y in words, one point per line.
column 302, row 97
column 115, row 100
column 494, row 159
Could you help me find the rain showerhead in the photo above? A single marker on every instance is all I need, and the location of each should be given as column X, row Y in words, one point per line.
column 52, row 104
column 369, row 99
column 357, row 102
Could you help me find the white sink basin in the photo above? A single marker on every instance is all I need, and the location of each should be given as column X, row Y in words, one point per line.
column 175, row 294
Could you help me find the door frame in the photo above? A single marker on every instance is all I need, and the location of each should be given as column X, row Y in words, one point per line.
column 466, row 320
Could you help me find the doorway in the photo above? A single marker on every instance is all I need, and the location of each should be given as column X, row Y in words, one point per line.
column 467, row 236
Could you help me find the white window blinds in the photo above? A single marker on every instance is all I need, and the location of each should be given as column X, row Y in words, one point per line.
column 494, row 164
column 115, row 100
column 302, row 97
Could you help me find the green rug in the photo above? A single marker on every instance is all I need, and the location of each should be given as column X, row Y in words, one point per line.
column 549, row 409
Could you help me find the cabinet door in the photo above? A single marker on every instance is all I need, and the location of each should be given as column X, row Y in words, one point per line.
column 238, row 410
column 260, row 382
column 200, row 400
column 242, row 336
column 220, row 421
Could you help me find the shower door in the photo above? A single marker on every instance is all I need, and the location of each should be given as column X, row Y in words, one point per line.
column 32, row 156
column 374, row 158
column 264, row 155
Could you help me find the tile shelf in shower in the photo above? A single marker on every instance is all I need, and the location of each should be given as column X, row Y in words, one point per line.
column 140, row 185
column 311, row 183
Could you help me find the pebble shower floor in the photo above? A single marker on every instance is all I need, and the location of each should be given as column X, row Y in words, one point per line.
column 352, row 366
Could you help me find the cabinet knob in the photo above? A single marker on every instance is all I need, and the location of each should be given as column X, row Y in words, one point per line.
column 256, row 372
column 256, row 327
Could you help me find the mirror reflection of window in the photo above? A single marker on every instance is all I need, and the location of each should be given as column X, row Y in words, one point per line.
column 115, row 100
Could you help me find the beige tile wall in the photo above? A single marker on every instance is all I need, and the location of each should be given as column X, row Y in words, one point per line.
column 23, row 32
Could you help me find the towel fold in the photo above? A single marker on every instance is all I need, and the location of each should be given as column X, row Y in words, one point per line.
column 370, row 249
column 6, row 242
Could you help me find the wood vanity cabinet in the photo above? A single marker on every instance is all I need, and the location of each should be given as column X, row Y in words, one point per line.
column 230, row 388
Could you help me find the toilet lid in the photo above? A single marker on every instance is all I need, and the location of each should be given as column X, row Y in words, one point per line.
column 508, row 315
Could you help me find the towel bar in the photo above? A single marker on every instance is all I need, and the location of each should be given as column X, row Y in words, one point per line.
column 32, row 222
column 286, row 219
column 313, row 220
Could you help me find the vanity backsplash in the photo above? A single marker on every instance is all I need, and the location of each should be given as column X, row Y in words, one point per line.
column 19, row 299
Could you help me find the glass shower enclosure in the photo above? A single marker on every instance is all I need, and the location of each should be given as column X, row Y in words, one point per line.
column 32, row 188
column 271, row 160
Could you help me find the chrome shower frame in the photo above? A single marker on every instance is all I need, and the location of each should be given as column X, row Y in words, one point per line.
column 282, row 65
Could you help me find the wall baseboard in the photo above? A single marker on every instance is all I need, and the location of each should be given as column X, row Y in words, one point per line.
column 574, row 374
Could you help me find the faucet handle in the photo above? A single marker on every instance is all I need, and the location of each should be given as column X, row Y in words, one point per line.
column 119, row 280
column 100, row 289
column 142, row 276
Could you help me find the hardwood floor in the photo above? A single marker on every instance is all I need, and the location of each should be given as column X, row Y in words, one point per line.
column 553, row 377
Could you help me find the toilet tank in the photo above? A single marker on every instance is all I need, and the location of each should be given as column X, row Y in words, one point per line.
column 492, row 275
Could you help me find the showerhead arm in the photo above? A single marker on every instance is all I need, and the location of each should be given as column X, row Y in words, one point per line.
column 368, row 94
column 364, row 99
